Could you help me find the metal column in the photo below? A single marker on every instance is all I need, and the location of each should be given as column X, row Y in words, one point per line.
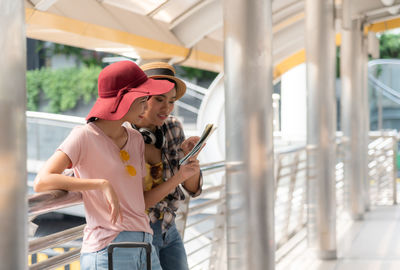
column 365, row 118
column 13, row 177
column 351, row 118
column 321, row 125
column 249, row 141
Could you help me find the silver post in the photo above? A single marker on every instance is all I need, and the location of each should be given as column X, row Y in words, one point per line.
column 351, row 119
column 365, row 116
column 395, row 141
column 13, row 177
column 249, row 142
column 380, row 109
column 321, row 125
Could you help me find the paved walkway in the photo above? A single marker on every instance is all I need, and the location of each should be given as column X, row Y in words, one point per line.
column 371, row 244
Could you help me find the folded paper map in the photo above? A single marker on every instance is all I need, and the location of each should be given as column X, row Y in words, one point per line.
column 208, row 130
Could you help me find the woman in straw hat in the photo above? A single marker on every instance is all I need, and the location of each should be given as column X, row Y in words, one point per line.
column 107, row 160
column 165, row 145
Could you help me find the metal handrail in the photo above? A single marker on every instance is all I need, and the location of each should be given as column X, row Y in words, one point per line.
column 292, row 149
column 45, row 202
column 200, row 207
column 209, row 190
column 381, row 147
column 55, row 239
column 58, row 260
column 213, row 166
column 196, row 88
column 200, row 235
column 199, row 221
column 41, row 116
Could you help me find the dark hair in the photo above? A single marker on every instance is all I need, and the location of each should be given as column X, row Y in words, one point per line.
column 91, row 119
column 166, row 79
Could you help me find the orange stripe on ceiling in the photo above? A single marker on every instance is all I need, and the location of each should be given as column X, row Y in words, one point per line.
column 56, row 22
column 28, row 13
column 289, row 63
column 47, row 20
column 338, row 39
column 385, row 25
column 297, row 59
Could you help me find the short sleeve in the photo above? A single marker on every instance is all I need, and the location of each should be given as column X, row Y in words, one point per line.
column 72, row 145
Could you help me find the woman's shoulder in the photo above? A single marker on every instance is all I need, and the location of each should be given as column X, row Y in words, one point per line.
column 132, row 132
column 173, row 130
column 79, row 131
column 172, row 122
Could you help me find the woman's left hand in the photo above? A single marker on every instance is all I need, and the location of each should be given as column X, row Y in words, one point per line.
column 189, row 143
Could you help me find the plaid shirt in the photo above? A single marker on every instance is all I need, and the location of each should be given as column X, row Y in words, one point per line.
column 171, row 153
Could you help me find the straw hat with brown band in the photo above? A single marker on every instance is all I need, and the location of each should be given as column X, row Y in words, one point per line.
column 161, row 70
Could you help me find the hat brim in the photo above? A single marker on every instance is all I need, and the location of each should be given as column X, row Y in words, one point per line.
column 102, row 108
column 180, row 85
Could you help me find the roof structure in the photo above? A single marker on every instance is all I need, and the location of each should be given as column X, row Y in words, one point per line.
column 189, row 32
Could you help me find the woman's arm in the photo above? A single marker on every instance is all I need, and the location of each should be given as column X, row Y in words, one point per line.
column 50, row 178
column 192, row 184
column 156, row 194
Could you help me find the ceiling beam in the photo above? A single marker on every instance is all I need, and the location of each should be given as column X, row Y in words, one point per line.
column 44, row 5
column 204, row 20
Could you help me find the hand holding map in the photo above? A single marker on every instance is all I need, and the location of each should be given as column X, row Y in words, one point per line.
column 208, row 130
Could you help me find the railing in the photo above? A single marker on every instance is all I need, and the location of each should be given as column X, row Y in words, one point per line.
column 207, row 208
column 201, row 221
column 290, row 190
column 382, row 75
column 204, row 220
column 382, row 164
column 190, row 102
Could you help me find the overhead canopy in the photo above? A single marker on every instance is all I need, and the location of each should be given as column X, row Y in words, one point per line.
column 189, row 32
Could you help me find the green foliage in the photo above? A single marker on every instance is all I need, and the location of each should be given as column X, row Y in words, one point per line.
column 87, row 57
column 33, row 84
column 337, row 62
column 389, row 46
column 192, row 73
column 63, row 88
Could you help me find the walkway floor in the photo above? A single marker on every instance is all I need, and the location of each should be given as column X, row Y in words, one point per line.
column 371, row 244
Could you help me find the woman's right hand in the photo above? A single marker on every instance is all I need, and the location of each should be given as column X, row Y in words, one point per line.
column 112, row 201
column 189, row 169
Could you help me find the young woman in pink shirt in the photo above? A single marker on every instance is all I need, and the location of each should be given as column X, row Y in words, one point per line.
column 109, row 168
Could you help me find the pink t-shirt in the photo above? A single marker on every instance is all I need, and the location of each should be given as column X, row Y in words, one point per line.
column 95, row 155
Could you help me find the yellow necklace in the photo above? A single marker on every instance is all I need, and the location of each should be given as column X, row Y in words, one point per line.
column 125, row 158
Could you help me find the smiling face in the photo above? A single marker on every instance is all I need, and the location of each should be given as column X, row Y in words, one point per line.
column 158, row 109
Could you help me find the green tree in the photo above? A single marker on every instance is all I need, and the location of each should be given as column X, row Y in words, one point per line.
column 62, row 88
column 87, row 57
column 191, row 73
column 389, row 46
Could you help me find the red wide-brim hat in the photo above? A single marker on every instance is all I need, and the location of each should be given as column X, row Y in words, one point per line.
column 119, row 84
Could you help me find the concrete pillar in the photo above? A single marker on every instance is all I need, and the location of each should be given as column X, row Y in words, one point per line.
column 321, row 126
column 13, row 177
column 352, row 111
column 249, row 141
column 365, row 118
